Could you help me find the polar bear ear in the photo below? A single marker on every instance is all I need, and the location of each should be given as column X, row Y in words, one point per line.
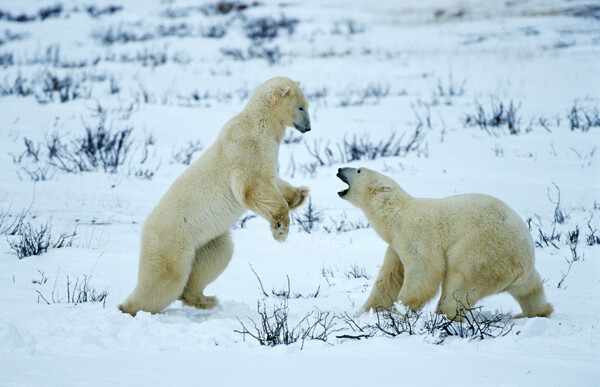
column 298, row 83
column 285, row 90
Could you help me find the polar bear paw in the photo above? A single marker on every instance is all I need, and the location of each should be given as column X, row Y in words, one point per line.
column 280, row 227
column 200, row 302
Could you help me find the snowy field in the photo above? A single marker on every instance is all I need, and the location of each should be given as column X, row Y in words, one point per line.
column 496, row 97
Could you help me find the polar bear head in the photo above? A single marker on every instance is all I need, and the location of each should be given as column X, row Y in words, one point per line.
column 364, row 185
column 282, row 99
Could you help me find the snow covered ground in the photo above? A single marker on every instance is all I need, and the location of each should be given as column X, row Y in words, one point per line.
column 175, row 71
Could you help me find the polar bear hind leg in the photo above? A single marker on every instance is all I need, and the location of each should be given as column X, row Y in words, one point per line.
column 531, row 298
column 210, row 261
column 162, row 278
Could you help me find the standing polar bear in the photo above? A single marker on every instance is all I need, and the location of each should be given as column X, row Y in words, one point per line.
column 473, row 245
column 185, row 240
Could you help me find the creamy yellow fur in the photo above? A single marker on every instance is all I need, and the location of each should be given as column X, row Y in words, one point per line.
column 185, row 240
column 473, row 245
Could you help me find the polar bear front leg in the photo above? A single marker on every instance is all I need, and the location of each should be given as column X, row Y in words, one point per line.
column 294, row 197
column 388, row 283
column 261, row 196
column 423, row 274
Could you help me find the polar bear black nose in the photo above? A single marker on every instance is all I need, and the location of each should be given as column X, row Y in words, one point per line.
column 339, row 170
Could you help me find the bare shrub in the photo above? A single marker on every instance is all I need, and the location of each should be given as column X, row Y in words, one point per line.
column 592, row 239
column 284, row 293
column 12, row 224
column 32, row 241
column 41, row 14
column 371, row 94
column 500, row 116
column 268, row 28
column 101, row 147
column 470, row 323
column 256, row 51
column 347, row 27
column 583, row 119
column 97, row 12
column 79, row 292
column 274, row 328
column 356, row 272
column 363, row 148
column 19, row 86
column 8, row 36
column 64, row 89
column 308, row 219
column 343, row 224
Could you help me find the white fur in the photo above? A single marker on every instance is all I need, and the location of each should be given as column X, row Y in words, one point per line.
column 185, row 240
column 472, row 245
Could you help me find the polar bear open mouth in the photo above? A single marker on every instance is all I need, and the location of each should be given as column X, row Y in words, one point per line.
column 343, row 178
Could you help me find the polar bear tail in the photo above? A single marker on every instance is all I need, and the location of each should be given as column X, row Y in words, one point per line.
column 531, row 298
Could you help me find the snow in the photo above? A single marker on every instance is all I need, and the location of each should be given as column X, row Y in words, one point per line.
column 537, row 54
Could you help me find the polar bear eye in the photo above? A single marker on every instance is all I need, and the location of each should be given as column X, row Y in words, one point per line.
column 358, row 171
column 300, row 108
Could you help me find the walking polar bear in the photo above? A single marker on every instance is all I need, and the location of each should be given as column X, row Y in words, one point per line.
column 473, row 245
column 185, row 240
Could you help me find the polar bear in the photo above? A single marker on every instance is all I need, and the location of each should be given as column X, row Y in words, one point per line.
column 185, row 242
column 474, row 245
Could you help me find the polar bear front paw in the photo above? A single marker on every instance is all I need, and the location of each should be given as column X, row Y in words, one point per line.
column 280, row 227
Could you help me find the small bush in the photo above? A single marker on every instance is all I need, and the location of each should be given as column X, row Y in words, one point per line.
column 49, row 87
column 77, row 293
column 99, row 148
column 34, row 241
column 226, row 7
column 500, row 117
column 371, row 94
column 7, row 59
column 51, row 56
column 256, row 51
column 357, row 272
column 591, row 239
column 120, row 34
column 19, row 87
column 285, row 293
column 347, row 27
column 146, row 58
column 216, row 31
column 448, row 90
column 268, row 28
column 12, row 224
column 96, row 12
column 363, row 148
column 63, row 88
column 308, row 219
column 583, row 119
column 343, row 224
column 9, row 36
column 42, row 14
column 470, row 323
column 545, row 239
column 274, row 329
